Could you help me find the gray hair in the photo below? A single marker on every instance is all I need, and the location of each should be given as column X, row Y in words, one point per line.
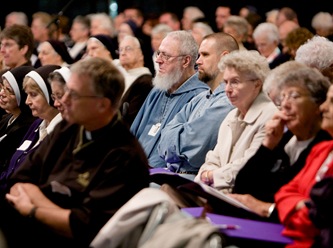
column 205, row 29
column 277, row 75
column 316, row 52
column 295, row 74
column 195, row 12
column 239, row 24
column 248, row 62
column 21, row 17
column 134, row 39
column 269, row 29
column 161, row 29
column 187, row 44
column 322, row 20
column 105, row 22
column 105, row 78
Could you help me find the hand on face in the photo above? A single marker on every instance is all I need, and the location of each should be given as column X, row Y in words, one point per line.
column 274, row 129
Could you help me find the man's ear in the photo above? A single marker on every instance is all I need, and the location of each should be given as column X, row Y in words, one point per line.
column 24, row 49
column 187, row 61
column 104, row 104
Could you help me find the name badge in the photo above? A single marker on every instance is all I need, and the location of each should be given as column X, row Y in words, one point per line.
column 154, row 129
column 25, row 145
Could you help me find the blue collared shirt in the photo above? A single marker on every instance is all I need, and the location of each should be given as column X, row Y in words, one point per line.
column 159, row 109
column 193, row 131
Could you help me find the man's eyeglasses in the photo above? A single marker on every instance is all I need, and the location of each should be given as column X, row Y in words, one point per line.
column 166, row 57
column 75, row 96
column 7, row 45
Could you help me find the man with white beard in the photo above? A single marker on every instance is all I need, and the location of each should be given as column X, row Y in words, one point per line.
column 185, row 140
column 176, row 83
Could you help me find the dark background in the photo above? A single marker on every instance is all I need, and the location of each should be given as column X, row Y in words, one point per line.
column 305, row 10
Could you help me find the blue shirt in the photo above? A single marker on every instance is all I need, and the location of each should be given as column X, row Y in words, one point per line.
column 158, row 109
column 193, row 131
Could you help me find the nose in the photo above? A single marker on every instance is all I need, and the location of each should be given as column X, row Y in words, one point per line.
column 158, row 59
column 322, row 107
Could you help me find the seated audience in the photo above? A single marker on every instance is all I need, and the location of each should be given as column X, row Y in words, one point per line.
column 57, row 79
column 200, row 30
column 54, row 52
column 40, row 102
column 175, row 84
column 238, row 27
column 101, row 23
column 82, row 173
column 322, row 23
column 101, row 46
column 243, row 129
column 222, row 13
column 18, row 118
column 191, row 14
column 284, row 29
column 285, row 14
column 266, row 38
column 291, row 198
column 282, row 154
column 138, row 79
column 130, row 28
column 79, row 34
column 183, row 143
column 295, row 39
column 16, row 17
column 158, row 33
column 318, row 53
column 170, row 19
column 17, row 46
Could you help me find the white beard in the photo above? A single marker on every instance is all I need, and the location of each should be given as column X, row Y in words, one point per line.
column 165, row 82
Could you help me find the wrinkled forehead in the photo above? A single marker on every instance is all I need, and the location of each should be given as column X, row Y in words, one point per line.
column 169, row 45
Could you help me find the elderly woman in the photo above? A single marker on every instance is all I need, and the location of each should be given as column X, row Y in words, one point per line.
column 317, row 53
column 291, row 198
column 282, row 154
column 138, row 79
column 40, row 102
column 54, row 52
column 18, row 118
column 266, row 38
column 57, row 80
column 101, row 46
column 242, row 131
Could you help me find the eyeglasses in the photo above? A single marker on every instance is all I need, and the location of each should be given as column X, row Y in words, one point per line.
column 165, row 57
column 56, row 97
column 125, row 49
column 234, row 83
column 7, row 45
column 290, row 97
column 6, row 90
column 75, row 96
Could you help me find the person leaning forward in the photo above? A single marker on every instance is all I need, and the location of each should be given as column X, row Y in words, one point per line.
column 83, row 172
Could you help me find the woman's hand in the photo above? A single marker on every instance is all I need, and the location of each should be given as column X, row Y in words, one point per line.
column 259, row 207
column 274, row 130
